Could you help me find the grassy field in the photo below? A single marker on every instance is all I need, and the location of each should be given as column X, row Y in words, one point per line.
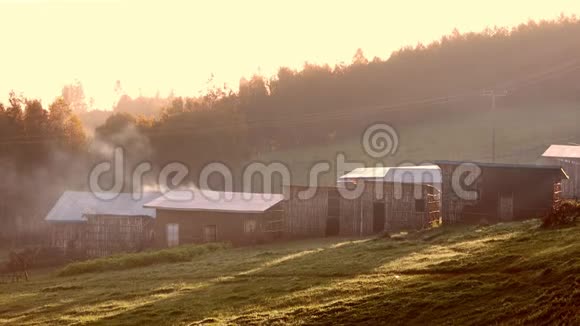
column 523, row 134
column 501, row 274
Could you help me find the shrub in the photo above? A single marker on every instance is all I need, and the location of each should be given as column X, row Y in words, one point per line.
column 142, row 259
column 564, row 214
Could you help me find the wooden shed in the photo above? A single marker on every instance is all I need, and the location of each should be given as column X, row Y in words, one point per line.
column 194, row 216
column 391, row 199
column 500, row 192
column 567, row 157
column 82, row 224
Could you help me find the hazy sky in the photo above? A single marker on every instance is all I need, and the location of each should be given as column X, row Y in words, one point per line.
column 155, row 46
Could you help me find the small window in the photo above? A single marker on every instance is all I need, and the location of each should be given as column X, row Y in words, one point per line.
column 420, row 205
column 210, row 233
column 172, row 235
column 250, row 226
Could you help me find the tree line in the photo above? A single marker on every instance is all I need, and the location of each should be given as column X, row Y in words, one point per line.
column 319, row 103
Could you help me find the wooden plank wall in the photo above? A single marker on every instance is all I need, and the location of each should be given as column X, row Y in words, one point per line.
column 350, row 217
column 308, row 217
column 451, row 205
column 532, row 191
column 400, row 206
column 69, row 237
column 305, row 217
column 570, row 187
column 107, row 234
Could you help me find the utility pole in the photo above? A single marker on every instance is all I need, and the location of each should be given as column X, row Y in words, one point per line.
column 493, row 95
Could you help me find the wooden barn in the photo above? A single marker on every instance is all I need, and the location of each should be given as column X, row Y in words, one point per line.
column 391, row 199
column 501, row 192
column 210, row 216
column 84, row 225
column 568, row 157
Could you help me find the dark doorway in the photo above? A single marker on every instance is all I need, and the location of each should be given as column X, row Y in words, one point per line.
column 333, row 214
column 378, row 217
column 332, row 226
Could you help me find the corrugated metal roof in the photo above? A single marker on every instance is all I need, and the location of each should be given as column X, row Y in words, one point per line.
column 555, row 168
column 217, row 201
column 563, row 151
column 430, row 174
column 72, row 206
column 502, row 165
column 366, row 173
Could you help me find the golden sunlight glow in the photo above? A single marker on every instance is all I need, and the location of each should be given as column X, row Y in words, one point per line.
column 160, row 46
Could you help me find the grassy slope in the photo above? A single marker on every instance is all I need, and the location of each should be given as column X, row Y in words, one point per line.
column 140, row 259
column 523, row 134
column 505, row 273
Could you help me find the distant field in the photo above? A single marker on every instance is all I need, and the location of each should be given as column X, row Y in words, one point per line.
column 523, row 133
column 503, row 274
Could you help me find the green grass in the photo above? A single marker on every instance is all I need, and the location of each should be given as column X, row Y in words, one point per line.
column 516, row 273
column 141, row 259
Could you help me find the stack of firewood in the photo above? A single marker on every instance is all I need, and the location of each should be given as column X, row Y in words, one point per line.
column 565, row 213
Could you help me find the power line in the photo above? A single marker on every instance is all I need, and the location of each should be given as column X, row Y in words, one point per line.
column 567, row 67
column 334, row 115
column 288, row 121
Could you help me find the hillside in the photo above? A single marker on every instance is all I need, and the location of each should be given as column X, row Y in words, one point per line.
column 501, row 274
column 437, row 83
column 523, row 132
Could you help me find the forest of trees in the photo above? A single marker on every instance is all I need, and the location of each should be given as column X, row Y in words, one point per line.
column 314, row 105
column 40, row 149
column 30, row 134
column 319, row 104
